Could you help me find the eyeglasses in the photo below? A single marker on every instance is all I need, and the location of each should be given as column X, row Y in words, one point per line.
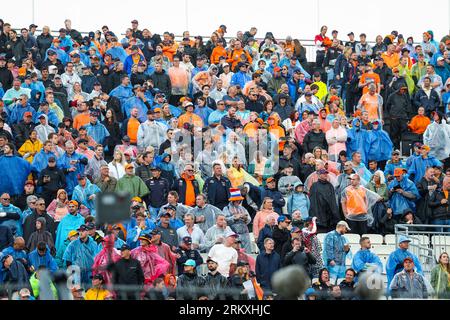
column 190, row 170
column 40, row 204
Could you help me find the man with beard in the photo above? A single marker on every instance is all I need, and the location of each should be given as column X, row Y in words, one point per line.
column 324, row 206
column 215, row 282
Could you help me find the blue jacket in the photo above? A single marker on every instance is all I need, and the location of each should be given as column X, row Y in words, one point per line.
column 122, row 93
column 266, row 265
column 18, row 111
column 97, row 131
column 398, row 202
column 67, row 224
column 265, row 232
column 299, row 201
column 419, row 165
column 362, row 258
column 13, row 179
column 390, row 167
column 128, row 63
column 379, row 145
column 14, row 225
column 276, row 196
column 52, row 118
column 71, row 177
column 293, row 88
column 16, row 254
column 40, row 161
column 82, row 195
column 118, row 52
column 82, row 254
column 135, row 102
column 47, row 260
column 394, row 263
column 240, row 78
column 356, row 140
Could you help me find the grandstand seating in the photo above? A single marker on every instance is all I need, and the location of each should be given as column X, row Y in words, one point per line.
column 374, row 238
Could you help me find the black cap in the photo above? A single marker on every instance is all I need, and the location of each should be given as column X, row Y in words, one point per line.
column 165, row 214
column 134, row 47
column 155, row 169
column 82, row 228
column 187, row 240
column 350, row 33
column 171, row 207
column 126, row 138
column 51, row 159
column 150, row 111
column 63, row 30
column 90, row 226
column 32, row 26
column 224, row 27
column 125, row 247
column 155, row 232
column 82, row 141
column 242, row 263
column 98, row 276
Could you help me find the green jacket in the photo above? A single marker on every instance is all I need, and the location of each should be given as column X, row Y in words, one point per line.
column 35, row 286
column 132, row 184
column 439, row 281
column 382, row 191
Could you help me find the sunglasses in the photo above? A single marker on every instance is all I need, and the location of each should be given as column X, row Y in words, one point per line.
column 40, row 204
column 6, row 199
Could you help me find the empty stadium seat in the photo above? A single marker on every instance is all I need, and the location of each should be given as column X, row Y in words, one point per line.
column 352, row 237
column 383, row 252
column 374, row 238
column 390, row 239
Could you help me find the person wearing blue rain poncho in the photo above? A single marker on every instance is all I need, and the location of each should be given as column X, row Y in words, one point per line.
column 123, row 91
column 61, row 54
column 335, row 250
column 72, row 221
column 41, row 257
column 40, row 160
column 356, row 139
column 364, row 259
column 378, row 143
column 420, row 164
column 117, row 52
column 133, row 58
column 13, row 179
column 394, row 263
column 81, row 252
column 402, row 193
column 14, row 215
column 137, row 225
column 140, row 102
column 85, row 193
column 73, row 164
column 18, row 109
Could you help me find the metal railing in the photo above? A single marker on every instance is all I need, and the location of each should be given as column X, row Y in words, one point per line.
column 427, row 242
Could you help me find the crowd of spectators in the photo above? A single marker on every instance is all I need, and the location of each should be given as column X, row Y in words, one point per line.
column 228, row 147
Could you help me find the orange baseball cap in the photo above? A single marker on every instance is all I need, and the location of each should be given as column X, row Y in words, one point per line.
column 399, row 171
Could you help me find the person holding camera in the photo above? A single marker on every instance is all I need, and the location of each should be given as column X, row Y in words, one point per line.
column 300, row 255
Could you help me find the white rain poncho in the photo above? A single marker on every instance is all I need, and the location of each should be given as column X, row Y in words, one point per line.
column 437, row 137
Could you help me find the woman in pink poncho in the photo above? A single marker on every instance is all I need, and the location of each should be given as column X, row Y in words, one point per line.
column 107, row 255
column 152, row 263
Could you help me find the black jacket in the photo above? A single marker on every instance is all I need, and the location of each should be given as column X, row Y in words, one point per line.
column 6, row 237
column 114, row 134
column 284, row 162
column 323, row 206
column 215, row 285
column 16, row 49
column 114, row 104
column 299, row 258
column 190, row 286
column 159, row 189
column 29, row 225
column 430, row 104
column 283, row 112
column 399, row 106
column 44, row 42
column 217, row 191
column 313, row 139
column 162, row 81
column 439, row 210
column 424, row 212
column 186, row 255
column 6, row 78
column 280, row 236
column 231, row 123
column 57, row 180
column 106, row 82
column 127, row 272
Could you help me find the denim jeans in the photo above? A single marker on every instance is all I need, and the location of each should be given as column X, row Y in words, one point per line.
column 444, row 222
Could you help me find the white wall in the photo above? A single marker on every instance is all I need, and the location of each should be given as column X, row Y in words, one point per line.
column 297, row 18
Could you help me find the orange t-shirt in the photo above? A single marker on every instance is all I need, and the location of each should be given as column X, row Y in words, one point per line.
column 392, row 60
column 370, row 104
column 356, row 201
column 132, row 129
column 191, row 118
column 366, row 76
column 419, row 124
column 81, row 120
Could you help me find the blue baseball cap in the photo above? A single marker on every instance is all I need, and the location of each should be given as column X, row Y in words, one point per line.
column 283, row 219
column 190, row 263
column 403, row 239
column 295, row 229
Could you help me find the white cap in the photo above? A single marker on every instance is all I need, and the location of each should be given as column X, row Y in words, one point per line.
column 343, row 223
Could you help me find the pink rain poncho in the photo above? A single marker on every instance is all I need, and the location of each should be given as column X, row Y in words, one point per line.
column 152, row 263
column 107, row 255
